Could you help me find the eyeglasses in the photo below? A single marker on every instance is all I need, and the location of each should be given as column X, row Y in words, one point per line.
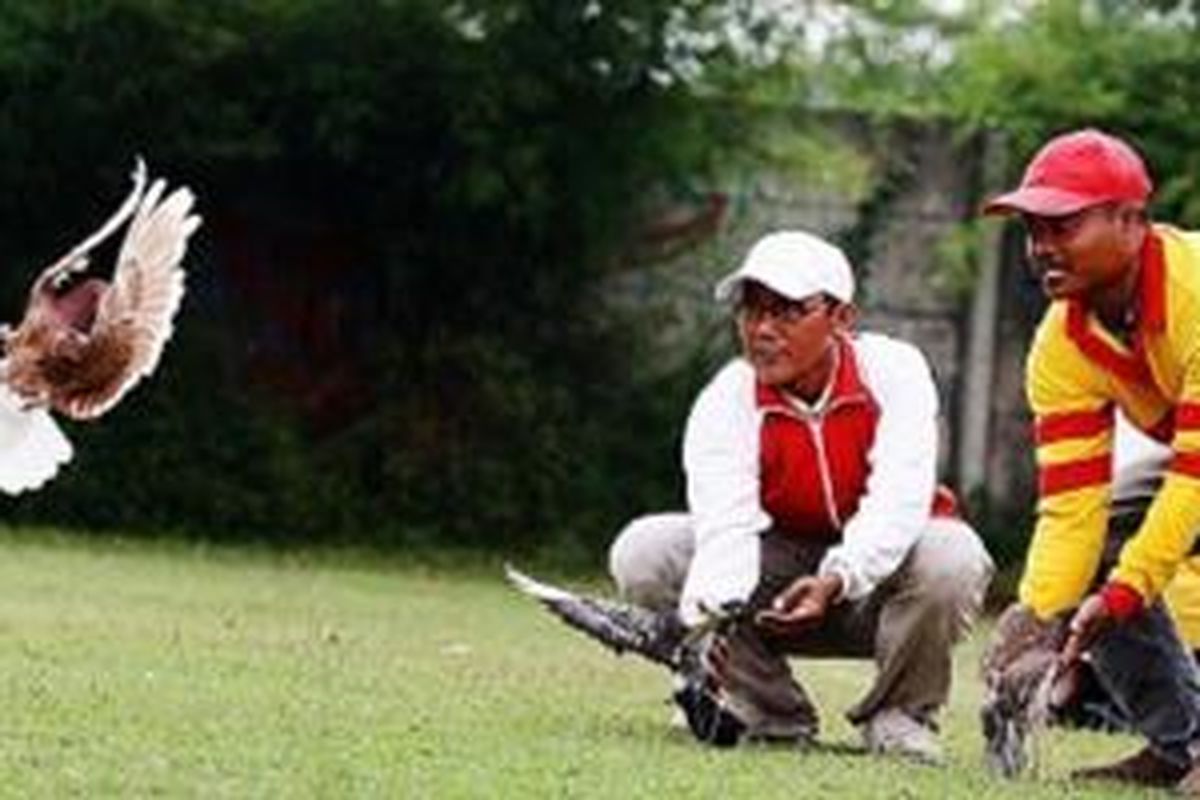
column 755, row 308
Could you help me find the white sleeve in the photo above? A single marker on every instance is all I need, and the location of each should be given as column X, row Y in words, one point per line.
column 903, row 461
column 721, row 461
column 32, row 448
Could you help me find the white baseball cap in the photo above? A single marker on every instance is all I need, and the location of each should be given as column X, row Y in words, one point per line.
column 794, row 264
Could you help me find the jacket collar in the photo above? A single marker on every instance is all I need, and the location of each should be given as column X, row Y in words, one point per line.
column 848, row 386
column 1152, row 318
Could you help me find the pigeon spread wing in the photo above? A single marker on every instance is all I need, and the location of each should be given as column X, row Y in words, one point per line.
column 76, row 260
column 135, row 315
column 620, row 627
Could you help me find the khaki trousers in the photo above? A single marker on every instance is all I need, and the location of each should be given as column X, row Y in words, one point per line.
column 908, row 625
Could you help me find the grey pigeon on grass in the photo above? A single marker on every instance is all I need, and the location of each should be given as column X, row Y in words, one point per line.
column 1024, row 681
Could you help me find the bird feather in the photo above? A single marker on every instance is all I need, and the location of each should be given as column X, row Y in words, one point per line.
column 621, row 627
column 1024, row 680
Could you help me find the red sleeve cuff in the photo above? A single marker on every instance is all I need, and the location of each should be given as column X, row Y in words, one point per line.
column 1121, row 600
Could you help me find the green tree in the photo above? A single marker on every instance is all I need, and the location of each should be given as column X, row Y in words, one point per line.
column 1032, row 71
column 482, row 161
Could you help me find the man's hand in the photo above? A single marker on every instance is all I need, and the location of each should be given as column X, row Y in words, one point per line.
column 1115, row 603
column 801, row 606
column 1091, row 619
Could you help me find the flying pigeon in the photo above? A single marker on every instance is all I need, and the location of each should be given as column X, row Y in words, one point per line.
column 84, row 342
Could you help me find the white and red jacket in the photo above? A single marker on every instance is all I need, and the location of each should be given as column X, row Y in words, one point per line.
column 858, row 472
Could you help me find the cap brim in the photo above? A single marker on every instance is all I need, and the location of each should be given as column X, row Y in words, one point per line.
column 727, row 287
column 1040, row 200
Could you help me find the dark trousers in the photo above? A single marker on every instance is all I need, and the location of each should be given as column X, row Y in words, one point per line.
column 1146, row 670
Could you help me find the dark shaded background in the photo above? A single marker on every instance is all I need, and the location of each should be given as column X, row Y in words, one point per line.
column 389, row 335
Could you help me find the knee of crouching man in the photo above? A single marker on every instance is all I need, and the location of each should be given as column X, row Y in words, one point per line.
column 952, row 566
column 624, row 563
column 634, row 558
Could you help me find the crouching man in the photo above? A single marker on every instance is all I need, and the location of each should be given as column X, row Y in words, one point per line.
column 1120, row 333
column 813, row 505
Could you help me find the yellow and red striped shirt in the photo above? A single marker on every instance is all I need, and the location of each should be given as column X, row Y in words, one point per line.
column 1076, row 376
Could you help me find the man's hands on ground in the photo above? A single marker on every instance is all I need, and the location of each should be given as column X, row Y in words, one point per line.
column 801, row 606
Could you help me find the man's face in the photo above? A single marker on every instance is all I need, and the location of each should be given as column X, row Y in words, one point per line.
column 786, row 341
column 1085, row 253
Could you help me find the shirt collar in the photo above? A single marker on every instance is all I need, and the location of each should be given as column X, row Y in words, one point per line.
column 1152, row 288
column 1131, row 364
column 847, row 384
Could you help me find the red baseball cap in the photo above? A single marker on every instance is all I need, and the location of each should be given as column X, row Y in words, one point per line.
column 1074, row 171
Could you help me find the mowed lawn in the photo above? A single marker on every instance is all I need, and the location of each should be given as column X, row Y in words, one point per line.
column 137, row 670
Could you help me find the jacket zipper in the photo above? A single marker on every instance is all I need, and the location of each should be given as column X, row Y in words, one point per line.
column 815, row 429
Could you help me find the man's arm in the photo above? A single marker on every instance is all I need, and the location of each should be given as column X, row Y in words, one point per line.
column 721, row 461
column 1149, row 560
column 1073, row 435
column 903, row 459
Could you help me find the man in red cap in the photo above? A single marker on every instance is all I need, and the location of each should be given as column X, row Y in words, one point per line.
column 1122, row 332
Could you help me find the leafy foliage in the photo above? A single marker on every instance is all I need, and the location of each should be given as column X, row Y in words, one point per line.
column 437, row 188
column 1128, row 67
column 1027, row 71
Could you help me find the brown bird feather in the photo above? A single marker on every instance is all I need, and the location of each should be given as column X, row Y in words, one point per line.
column 84, row 341
column 1024, row 681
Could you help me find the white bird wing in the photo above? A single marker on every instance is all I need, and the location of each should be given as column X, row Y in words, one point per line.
column 77, row 259
column 32, row 448
column 535, row 588
column 136, row 315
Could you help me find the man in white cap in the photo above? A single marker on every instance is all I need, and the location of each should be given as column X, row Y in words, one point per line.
column 812, row 506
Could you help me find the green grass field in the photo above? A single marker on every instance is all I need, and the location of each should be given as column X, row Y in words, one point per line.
column 139, row 670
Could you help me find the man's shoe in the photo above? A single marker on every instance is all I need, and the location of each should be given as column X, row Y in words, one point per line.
column 1143, row 768
column 893, row 732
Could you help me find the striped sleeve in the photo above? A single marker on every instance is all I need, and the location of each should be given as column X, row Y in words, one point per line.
column 1149, row 559
column 1074, row 449
column 1073, row 435
column 1185, row 459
